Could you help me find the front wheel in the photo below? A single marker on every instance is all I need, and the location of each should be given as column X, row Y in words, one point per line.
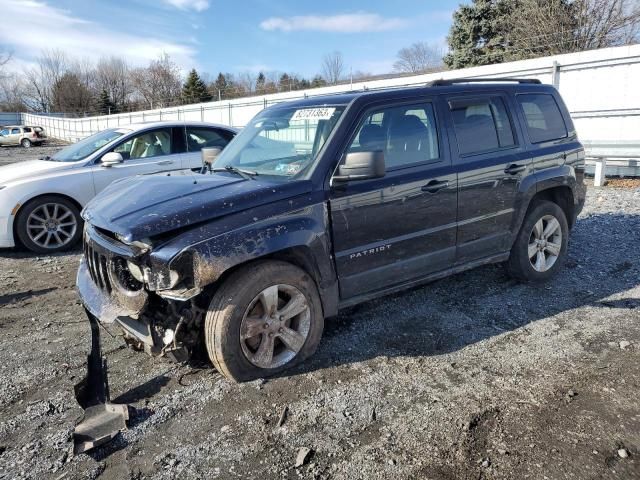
column 265, row 318
column 541, row 246
column 49, row 224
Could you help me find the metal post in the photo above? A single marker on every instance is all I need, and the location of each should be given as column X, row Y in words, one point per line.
column 599, row 175
column 555, row 75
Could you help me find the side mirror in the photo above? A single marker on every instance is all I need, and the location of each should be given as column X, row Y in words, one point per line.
column 110, row 159
column 361, row 166
column 209, row 155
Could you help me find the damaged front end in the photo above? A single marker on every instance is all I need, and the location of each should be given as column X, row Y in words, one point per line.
column 118, row 291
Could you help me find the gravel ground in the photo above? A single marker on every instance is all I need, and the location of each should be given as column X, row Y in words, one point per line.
column 17, row 154
column 471, row 377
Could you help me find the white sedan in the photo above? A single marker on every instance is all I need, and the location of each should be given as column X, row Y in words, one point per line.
column 41, row 200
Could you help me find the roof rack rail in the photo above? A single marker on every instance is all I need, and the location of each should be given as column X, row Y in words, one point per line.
column 442, row 82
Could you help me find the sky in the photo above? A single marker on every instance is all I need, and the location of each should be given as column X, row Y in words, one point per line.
column 215, row 35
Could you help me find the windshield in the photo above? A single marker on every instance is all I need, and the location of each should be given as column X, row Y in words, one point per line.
column 89, row 145
column 283, row 142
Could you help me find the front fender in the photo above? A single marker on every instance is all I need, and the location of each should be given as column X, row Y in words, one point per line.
column 205, row 253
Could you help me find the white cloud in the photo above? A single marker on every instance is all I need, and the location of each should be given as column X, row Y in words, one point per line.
column 29, row 26
column 197, row 5
column 345, row 23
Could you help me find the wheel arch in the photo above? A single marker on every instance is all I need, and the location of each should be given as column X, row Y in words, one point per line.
column 300, row 256
column 16, row 237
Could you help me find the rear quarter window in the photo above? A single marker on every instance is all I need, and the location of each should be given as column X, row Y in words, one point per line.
column 543, row 117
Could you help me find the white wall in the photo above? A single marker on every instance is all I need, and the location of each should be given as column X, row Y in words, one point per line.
column 600, row 88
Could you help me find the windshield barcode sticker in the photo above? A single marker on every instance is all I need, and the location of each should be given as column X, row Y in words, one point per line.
column 313, row 114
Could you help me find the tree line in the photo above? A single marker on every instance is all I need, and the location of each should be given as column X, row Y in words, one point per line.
column 483, row 32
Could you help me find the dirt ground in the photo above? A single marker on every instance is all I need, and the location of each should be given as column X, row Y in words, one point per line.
column 471, row 377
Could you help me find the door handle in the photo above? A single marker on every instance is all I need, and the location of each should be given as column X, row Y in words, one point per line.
column 515, row 168
column 166, row 162
column 434, row 186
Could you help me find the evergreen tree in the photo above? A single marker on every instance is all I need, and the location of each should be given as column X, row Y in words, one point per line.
column 260, row 81
column 477, row 35
column 318, row 81
column 220, row 87
column 194, row 89
column 285, row 83
column 104, row 104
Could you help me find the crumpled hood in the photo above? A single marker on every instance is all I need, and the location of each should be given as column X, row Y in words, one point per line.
column 145, row 206
column 30, row 168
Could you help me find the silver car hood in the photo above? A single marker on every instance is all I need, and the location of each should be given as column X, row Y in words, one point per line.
column 29, row 169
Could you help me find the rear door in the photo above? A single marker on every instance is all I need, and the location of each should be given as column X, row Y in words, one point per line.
column 391, row 230
column 145, row 152
column 197, row 138
column 14, row 137
column 491, row 161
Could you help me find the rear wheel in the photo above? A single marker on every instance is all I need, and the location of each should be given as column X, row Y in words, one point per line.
column 49, row 224
column 541, row 246
column 264, row 319
column 26, row 143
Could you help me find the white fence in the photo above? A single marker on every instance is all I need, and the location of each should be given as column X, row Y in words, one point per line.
column 600, row 88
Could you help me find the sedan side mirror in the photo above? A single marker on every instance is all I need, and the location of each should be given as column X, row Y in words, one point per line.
column 110, row 159
column 209, row 155
column 361, row 166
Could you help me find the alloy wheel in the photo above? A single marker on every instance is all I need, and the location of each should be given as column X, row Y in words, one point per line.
column 51, row 225
column 275, row 326
column 545, row 243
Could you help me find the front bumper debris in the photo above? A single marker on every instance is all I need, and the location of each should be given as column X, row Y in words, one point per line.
column 102, row 420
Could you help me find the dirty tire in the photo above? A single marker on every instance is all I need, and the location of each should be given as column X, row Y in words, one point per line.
column 519, row 265
column 232, row 300
column 33, row 205
column 26, row 143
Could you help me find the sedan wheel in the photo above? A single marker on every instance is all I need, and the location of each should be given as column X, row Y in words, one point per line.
column 49, row 224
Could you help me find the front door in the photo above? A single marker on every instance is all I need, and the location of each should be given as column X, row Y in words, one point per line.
column 392, row 230
column 491, row 162
column 11, row 136
column 145, row 152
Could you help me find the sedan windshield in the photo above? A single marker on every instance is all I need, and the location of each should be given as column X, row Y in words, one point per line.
column 283, row 142
column 89, row 145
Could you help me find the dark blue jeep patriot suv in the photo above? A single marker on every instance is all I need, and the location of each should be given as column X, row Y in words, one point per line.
column 325, row 202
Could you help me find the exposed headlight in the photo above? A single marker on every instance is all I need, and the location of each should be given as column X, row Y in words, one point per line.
column 136, row 271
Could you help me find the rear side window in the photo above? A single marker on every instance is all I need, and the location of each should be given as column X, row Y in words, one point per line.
column 544, row 120
column 27, row 129
column 481, row 125
column 198, row 138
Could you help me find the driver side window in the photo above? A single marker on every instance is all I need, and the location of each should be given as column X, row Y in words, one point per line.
column 406, row 134
column 154, row 143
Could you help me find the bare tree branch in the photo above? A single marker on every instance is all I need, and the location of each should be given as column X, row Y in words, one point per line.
column 333, row 67
column 419, row 57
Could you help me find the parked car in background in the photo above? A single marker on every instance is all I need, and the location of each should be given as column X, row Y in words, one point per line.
column 41, row 200
column 25, row 136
